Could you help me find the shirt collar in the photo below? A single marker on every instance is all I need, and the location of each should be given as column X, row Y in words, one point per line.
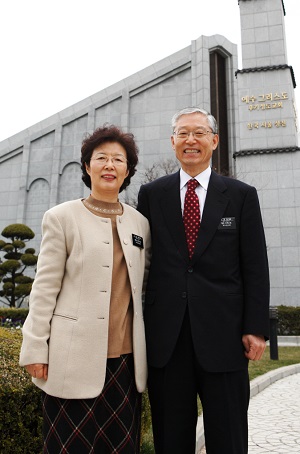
column 202, row 178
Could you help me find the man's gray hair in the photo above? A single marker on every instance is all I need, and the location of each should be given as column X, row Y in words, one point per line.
column 190, row 110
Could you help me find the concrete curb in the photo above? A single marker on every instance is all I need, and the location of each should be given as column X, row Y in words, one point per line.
column 256, row 386
column 287, row 341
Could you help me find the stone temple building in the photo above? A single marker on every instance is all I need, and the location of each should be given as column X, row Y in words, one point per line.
column 255, row 110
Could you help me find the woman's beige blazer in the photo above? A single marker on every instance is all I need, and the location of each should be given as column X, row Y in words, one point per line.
column 67, row 325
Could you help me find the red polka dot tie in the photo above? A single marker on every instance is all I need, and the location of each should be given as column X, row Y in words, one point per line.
column 191, row 215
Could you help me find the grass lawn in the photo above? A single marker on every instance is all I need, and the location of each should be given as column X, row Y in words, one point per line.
column 286, row 355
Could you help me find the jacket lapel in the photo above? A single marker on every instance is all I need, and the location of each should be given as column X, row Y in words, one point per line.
column 171, row 210
column 215, row 206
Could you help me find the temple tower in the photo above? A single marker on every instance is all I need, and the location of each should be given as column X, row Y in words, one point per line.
column 267, row 154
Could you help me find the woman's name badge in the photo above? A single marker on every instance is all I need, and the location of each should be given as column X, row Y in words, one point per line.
column 137, row 241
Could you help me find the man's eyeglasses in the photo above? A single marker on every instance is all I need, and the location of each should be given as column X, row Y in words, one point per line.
column 103, row 159
column 198, row 134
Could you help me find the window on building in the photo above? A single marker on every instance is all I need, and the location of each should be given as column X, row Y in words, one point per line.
column 218, row 96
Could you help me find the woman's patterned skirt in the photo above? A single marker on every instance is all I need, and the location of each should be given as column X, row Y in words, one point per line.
column 107, row 424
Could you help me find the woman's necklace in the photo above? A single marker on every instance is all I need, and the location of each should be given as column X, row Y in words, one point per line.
column 104, row 210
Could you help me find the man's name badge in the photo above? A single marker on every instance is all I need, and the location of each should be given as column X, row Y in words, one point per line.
column 227, row 224
column 137, row 241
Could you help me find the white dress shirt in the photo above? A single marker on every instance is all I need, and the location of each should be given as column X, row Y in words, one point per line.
column 201, row 190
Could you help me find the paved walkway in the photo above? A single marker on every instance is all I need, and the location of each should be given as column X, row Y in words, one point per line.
column 274, row 418
column 274, row 413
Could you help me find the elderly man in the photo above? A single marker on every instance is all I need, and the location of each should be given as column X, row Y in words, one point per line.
column 207, row 299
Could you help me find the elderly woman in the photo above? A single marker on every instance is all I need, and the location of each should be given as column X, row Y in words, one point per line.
column 83, row 339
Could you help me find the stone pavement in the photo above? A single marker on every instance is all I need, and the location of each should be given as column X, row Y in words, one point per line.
column 274, row 413
column 274, row 418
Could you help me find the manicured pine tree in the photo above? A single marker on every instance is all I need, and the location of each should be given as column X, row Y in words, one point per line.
column 15, row 285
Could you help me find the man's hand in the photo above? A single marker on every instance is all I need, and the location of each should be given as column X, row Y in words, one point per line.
column 254, row 346
column 38, row 370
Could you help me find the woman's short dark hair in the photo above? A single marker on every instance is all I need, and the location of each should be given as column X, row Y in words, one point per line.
column 109, row 133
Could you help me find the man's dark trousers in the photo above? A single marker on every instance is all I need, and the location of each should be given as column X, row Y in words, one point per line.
column 173, row 390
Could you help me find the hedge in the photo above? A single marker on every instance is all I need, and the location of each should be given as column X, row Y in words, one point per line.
column 288, row 319
column 12, row 316
column 20, row 402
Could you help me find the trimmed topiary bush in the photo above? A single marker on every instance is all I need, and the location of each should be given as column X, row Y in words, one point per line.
column 13, row 264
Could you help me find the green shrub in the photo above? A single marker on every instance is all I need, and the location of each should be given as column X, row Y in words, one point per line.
column 288, row 318
column 288, row 321
column 20, row 402
column 12, row 316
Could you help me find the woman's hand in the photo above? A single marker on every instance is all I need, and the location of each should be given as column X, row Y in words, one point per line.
column 38, row 370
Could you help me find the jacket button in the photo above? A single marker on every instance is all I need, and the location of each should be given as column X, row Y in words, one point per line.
column 190, row 269
column 125, row 241
column 183, row 295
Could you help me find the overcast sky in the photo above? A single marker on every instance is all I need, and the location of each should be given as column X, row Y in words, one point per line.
column 56, row 53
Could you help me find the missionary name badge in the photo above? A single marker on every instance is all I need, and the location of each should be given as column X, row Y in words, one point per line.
column 227, row 224
column 137, row 241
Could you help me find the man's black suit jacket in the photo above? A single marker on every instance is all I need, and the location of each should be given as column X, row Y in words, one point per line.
column 226, row 283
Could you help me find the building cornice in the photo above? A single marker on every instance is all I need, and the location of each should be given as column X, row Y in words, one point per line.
column 265, row 151
column 267, row 68
column 250, row 0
